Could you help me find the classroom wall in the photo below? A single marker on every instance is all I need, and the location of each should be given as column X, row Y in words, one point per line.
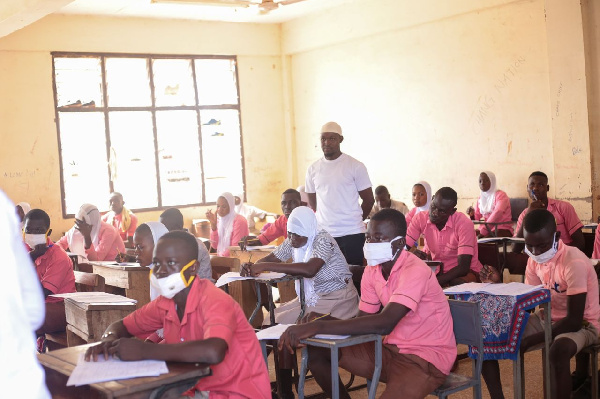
column 440, row 91
column 29, row 164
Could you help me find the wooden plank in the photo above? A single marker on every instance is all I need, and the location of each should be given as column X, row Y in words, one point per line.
column 139, row 288
column 114, row 277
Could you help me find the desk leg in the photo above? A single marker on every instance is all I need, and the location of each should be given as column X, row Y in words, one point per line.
column 335, row 377
column 303, row 368
column 258, row 302
column 377, row 372
column 504, row 247
column 546, row 351
column 518, row 371
column 302, row 300
column 271, row 304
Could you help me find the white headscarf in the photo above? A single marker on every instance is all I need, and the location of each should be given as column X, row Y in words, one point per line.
column 428, row 191
column 26, row 208
column 157, row 229
column 239, row 207
column 488, row 198
column 89, row 214
column 225, row 224
column 21, row 302
column 303, row 222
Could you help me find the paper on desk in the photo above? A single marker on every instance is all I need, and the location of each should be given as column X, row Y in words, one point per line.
column 95, row 297
column 276, row 331
column 510, row 289
column 501, row 239
column 114, row 369
column 229, row 277
column 260, row 247
column 111, row 263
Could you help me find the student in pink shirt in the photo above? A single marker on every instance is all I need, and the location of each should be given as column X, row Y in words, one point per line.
column 449, row 238
column 202, row 324
column 419, row 347
column 421, row 198
column 121, row 219
column 53, row 266
column 90, row 238
column 227, row 227
column 493, row 206
column 596, row 253
column 573, row 285
column 290, row 200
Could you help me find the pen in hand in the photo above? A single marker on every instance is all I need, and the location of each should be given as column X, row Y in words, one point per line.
column 533, row 196
column 320, row 317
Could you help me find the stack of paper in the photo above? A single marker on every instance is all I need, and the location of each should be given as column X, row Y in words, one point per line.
column 114, row 369
column 95, row 297
column 512, row 289
column 276, row 331
column 229, row 277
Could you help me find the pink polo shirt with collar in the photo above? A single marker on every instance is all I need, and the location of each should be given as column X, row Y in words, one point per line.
column 456, row 238
column 276, row 230
column 567, row 221
column 596, row 253
column 426, row 330
column 500, row 213
column 240, row 230
column 569, row 272
column 210, row 313
column 55, row 271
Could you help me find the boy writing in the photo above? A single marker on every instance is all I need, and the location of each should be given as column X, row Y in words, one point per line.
column 202, row 324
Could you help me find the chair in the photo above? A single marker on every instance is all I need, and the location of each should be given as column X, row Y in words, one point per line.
column 466, row 318
column 517, row 206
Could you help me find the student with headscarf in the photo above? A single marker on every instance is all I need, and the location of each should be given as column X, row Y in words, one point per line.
column 328, row 286
column 227, row 227
column 22, row 307
column 248, row 211
column 421, row 198
column 21, row 209
column 91, row 238
column 493, row 206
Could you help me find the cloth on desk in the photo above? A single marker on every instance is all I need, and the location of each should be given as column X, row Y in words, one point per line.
column 503, row 320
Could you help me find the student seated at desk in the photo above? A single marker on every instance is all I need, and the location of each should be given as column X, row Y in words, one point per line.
column 419, row 348
column 53, row 266
column 172, row 218
column 493, row 206
column 91, row 238
column 248, row 211
column 202, row 324
column 21, row 209
column 449, row 238
column 22, row 308
column 121, row 219
column 383, row 200
column 290, row 200
column 227, row 227
column 421, row 198
column 328, row 286
column 573, row 285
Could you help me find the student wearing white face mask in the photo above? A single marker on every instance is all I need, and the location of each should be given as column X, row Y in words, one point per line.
column 202, row 324
column 53, row 267
column 573, row 285
column 419, row 348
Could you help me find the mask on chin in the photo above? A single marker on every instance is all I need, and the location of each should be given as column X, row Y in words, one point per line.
column 377, row 253
column 172, row 284
column 546, row 256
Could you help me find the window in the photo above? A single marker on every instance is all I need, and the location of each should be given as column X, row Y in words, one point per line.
column 162, row 130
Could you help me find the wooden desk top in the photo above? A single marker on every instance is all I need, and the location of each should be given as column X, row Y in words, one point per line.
column 115, row 266
column 63, row 361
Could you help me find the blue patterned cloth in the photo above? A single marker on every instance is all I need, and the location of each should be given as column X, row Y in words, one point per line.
column 503, row 320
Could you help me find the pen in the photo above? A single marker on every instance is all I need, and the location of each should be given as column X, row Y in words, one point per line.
column 533, row 196
column 320, row 317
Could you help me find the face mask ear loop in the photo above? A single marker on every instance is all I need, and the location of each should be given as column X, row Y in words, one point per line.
column 187, row 283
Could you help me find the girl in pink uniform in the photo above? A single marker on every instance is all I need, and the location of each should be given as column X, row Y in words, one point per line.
column 493, row 206
column 421, row 197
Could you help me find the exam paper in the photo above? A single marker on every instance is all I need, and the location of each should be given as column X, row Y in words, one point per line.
column 114, row 369
column 229, row 277
column 276, row 331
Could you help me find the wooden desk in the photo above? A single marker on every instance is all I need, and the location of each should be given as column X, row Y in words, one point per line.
column 131, row 281
column 59, row 365
column 86, row 322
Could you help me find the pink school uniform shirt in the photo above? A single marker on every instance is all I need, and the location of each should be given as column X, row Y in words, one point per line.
column 55, row 271
column 567, row 221
column 210, row 313
column 109, row 244
column 240, row 230
column 596, row 253
column 275, row 230
column 500, row 213
column 410, row 215
column 117, row 222
column 570, row 272
column 426, row 330
column 456, row 238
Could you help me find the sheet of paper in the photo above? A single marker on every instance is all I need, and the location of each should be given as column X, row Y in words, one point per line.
column 110, row 263
column 261, row 248
column 331, row 336
column 465, row 288
column 590, row 225
column 272, row 332
column 95, row 297
column 501, row 239
column 113, row 369
column 511, row 289
column 229, row 277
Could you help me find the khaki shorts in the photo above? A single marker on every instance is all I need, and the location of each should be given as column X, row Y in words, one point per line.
column 406, row 376
column 588, row 335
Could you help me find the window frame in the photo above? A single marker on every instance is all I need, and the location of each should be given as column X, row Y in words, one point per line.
column 105, row 109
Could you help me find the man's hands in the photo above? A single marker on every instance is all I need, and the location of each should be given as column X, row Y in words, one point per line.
column 489, row 274
column 212, row 218
column 251, row 269
column 123, row 348
column 471, row 212
column 290, row 339
column 247, row 241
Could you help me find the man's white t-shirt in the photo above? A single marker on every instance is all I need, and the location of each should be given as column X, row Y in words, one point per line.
column 337, row 183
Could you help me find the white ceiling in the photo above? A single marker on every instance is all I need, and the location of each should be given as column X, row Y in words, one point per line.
column 144, row 8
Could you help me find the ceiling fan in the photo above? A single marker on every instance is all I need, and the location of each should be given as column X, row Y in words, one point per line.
column 264, row 6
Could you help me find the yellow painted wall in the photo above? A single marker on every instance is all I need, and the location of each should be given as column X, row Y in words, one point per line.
column 439, row 91
column 29, row 165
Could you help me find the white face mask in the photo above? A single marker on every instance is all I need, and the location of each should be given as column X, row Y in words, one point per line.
column 377, row 253
column 34, row 239
column 172, row 284
column 546, row 256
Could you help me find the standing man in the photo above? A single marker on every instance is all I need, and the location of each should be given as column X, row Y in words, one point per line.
column 121, row 218
column 334, row 184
